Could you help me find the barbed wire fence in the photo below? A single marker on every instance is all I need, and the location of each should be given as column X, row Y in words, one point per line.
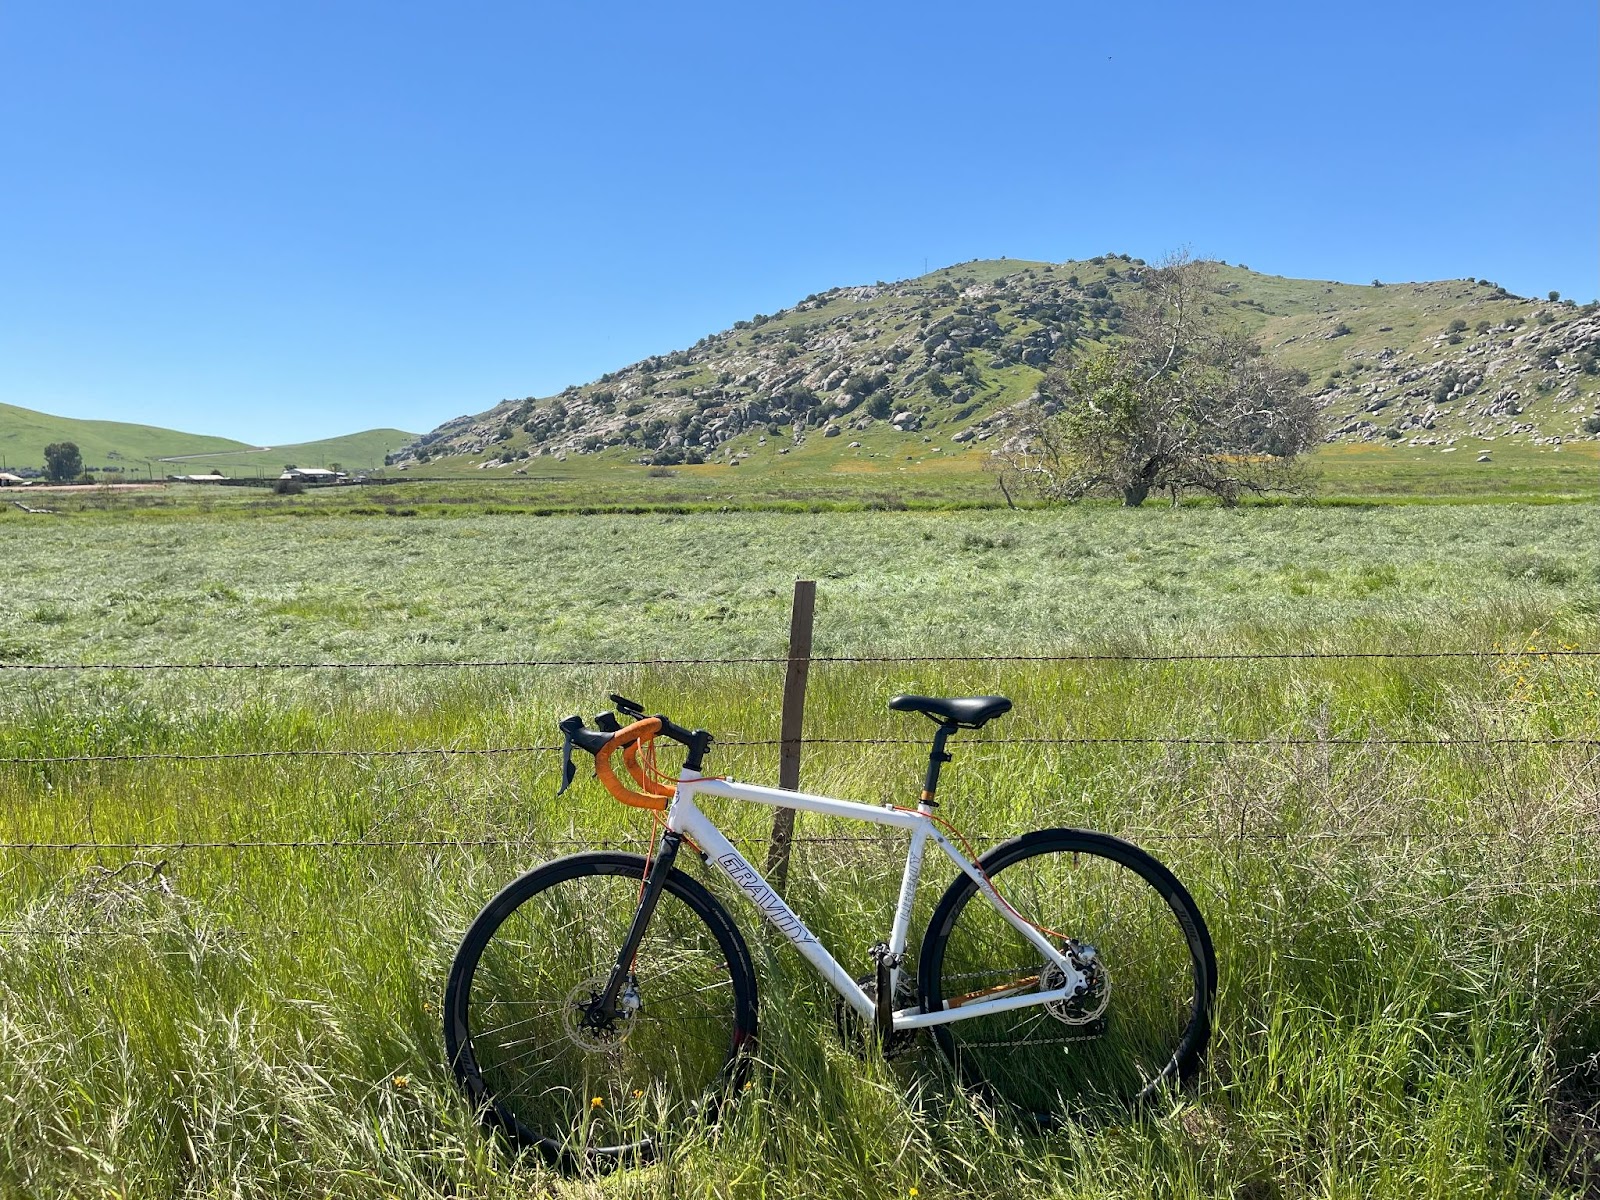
column 798, row 661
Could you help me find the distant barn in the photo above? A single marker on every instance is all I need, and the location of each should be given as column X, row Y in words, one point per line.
column 312, row 475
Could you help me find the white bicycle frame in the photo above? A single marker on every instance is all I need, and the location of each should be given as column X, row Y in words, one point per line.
column 685, row 817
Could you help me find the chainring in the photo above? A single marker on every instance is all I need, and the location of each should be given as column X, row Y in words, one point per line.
column 859, row 1035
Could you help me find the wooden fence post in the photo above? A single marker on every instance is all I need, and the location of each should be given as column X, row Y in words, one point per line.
column 790, row 726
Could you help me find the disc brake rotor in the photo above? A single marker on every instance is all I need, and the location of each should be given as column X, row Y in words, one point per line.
column 1089, row 1004
column 603, row 1038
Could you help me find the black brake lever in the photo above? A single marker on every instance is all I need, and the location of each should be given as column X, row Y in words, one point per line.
column 567, row 728
column 568, row 771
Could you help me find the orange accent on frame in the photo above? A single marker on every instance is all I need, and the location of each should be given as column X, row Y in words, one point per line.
column 969, row 997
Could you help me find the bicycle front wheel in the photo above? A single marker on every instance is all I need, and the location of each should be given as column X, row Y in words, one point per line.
column 542, row 950
column 1143, row 1020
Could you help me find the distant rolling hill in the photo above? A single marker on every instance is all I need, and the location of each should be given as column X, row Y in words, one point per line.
column 854, row 372
column 147, row 450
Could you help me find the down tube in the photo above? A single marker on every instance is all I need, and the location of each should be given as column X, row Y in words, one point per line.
column 719, row 850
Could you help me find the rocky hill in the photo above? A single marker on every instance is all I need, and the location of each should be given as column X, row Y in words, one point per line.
column 950, row 356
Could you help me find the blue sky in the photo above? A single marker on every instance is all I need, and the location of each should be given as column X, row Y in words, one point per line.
column 278, row 221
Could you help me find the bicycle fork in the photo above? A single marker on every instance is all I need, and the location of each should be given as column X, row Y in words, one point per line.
column 603, row 1010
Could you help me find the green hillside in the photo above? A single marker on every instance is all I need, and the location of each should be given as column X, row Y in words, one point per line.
column 891, row 371
column 150, row 450
column 353, row 452
column 105, row 444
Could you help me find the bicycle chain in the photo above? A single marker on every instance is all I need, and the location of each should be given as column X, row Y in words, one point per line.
column 1040, row 1042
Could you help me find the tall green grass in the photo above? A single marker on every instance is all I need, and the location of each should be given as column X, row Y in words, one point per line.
column 1410, row 996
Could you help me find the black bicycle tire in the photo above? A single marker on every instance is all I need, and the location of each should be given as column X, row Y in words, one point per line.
column 460, row 1056
column 1195, row 1038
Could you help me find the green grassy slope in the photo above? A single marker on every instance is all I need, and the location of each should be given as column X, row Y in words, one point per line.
column 140, row 449
column 25, row 433
column 353, row 452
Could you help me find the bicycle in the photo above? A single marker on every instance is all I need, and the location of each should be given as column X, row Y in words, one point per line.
column 605, row 997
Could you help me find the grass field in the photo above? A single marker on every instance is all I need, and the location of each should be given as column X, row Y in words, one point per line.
column 890, row 472
column 1410, row 994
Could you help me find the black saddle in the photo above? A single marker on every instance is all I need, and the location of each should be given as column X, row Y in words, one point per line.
column 967, row 712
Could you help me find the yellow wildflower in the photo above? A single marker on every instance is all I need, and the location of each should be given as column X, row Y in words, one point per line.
column 596, row 1102
column 402, row 1081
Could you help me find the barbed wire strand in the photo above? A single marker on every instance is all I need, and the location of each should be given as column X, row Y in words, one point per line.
column 608, row 843
column 979, row 744
column 778, row 659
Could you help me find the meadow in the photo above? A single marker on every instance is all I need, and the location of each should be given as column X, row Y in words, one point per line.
column 887, row 472
column 234, row 990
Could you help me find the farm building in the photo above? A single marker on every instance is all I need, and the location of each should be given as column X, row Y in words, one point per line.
column 7, row 479
column 312, row 475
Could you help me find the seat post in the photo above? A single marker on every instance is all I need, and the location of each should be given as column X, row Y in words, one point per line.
column 936, row 759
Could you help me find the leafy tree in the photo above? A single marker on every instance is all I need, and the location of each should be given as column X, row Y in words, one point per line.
column 62, row 461
column 1554, row 296
column 1180, row 401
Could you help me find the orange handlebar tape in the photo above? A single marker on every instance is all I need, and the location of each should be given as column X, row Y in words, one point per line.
column 630, row 759
column 629, row 737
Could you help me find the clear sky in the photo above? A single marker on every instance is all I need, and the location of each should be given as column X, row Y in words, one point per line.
column 279, row 220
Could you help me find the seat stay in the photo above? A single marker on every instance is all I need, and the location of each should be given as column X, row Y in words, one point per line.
column 1029, row 933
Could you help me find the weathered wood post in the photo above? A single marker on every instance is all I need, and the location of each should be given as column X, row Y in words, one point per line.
column 790, row 725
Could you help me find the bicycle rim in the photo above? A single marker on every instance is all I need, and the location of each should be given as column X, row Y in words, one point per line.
column 544, row 948
column 1145, row 1019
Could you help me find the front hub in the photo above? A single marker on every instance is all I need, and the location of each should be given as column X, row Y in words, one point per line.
column 593, row 1030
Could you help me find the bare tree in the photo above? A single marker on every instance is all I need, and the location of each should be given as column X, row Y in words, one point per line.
column 1179, row 401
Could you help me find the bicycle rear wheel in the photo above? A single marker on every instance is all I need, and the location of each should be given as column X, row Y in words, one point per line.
column 1145, row 1019
column 542, row 949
